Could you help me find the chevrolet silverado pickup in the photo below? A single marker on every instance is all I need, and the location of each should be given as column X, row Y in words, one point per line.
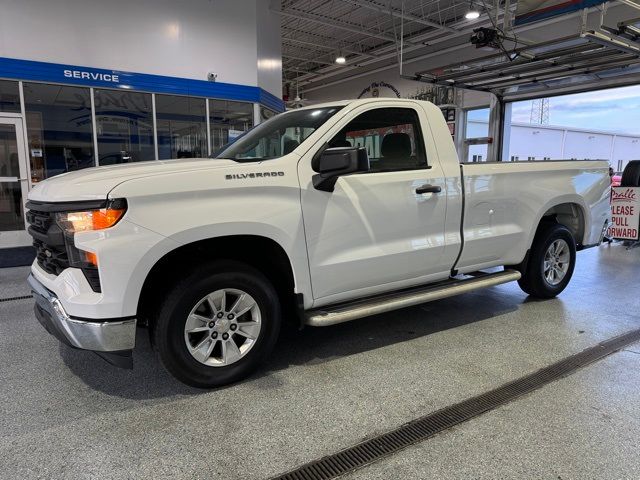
column 325, row 214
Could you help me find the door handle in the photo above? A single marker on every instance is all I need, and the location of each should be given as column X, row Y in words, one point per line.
column 428, row 188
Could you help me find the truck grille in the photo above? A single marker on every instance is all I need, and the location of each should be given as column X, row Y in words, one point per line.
column 48, row 240
column 51, row 245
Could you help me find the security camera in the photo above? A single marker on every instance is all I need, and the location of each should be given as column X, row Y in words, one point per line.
column 211, row 76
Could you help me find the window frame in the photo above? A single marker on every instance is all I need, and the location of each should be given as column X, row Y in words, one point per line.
column 211, row 110
column 204, row 125
column 96, row 118
column 28, row 114
column 4, row 111
column 419, row 133
column 464, row 154
column 310, row 139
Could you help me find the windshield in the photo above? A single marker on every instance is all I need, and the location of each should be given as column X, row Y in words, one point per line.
column 277, row 136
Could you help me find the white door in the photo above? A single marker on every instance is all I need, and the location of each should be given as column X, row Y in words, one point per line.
column 376, row 231
column 13, row 184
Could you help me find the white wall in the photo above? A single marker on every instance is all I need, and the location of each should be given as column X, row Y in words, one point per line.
column 269, row 55
column 352, row 88
column 186, row 38
column 475, row 99
column 555, row 142
column 587, row 145
column 625, row 148
column 529, row 141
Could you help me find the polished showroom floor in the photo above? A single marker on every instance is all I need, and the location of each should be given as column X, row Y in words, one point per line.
column 67, row 414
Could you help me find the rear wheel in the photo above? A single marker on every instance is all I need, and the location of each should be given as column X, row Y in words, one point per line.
column 631, row 174
column 551, row 262
column 218, row 324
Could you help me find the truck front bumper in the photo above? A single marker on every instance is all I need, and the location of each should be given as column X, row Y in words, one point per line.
column 111, row 339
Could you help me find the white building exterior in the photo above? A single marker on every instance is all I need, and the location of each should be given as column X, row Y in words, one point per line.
column 550, row 142
column 237, row 40
column 89, row 83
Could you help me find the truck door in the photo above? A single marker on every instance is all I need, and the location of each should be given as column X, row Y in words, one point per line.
column 376, row 231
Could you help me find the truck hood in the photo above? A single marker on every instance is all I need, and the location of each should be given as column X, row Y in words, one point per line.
column 96, row 183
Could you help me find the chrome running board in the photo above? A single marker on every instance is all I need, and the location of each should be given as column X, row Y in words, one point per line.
column 344, row 312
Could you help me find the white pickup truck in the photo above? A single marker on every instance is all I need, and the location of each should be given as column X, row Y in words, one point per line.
column 325, row 214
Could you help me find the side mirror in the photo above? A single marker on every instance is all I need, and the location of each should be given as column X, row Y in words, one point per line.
column 332, row 163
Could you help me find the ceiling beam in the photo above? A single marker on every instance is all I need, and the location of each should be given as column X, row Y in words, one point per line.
column 327, row 72
column 429, row 40
column 296, row 70
column 303, row 59
column 353, row 28
column 631, row 4
column 326, row 47
column 397, row 14
column 385, row 52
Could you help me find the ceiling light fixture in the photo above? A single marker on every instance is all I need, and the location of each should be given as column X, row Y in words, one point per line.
column 473, row 12
column 341, row 60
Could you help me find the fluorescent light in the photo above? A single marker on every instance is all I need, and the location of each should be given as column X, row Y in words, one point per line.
column 472, row 15
column 341, row 60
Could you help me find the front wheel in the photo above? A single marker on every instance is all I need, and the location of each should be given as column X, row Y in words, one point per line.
column 551, row 262
column 217, row 325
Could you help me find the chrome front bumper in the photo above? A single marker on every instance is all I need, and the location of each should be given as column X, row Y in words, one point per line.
column 118, row 335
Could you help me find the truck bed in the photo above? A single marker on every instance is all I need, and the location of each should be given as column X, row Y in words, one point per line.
column 503, row 200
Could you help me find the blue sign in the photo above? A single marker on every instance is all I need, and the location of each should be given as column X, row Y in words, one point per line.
column 89, row 75
column 528, row 11
column 12, row 68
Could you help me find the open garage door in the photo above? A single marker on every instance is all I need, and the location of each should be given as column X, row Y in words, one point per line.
column 602, row 52
column 602, row 125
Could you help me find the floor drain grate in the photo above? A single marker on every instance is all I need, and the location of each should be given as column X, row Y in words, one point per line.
column 420, row 429
column 11, row 299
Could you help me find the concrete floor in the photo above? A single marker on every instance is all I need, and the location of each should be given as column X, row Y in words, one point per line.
column 67, row 414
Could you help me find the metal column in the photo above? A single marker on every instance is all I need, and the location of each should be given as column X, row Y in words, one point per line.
column 496, row 125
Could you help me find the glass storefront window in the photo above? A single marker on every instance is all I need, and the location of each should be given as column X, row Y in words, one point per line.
column 266, row 113
column 10, row 207
column 9, row 97
column 10, row 191
column 477, row 126
column 59, row 129
column 124, row 121
column 228, row 120
column 182, row 127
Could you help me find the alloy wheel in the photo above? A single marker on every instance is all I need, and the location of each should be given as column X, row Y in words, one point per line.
column 556, row 262
column 223, row 327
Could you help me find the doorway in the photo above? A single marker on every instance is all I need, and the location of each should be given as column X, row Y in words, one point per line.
column 13, row 184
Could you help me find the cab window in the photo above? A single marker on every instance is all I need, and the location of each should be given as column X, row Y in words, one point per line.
column 392, row 137
column 278, row 136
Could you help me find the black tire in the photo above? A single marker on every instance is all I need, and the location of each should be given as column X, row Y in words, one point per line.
column 533, row 279
column 169, row 328
column 631, row 174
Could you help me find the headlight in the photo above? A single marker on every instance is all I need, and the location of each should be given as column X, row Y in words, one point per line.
column 73, row 222
column 86, row 221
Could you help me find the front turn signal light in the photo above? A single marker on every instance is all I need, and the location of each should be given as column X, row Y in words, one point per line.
column 84, row 221
column 91, row 258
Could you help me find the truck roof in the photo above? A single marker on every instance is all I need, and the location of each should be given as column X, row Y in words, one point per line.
column 359, row 101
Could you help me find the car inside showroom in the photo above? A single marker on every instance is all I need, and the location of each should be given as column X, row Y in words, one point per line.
column 317, row 239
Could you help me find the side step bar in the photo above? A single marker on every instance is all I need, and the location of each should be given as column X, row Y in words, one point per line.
column 330, row 315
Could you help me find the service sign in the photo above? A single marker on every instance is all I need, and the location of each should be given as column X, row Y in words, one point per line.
column 625, row 213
